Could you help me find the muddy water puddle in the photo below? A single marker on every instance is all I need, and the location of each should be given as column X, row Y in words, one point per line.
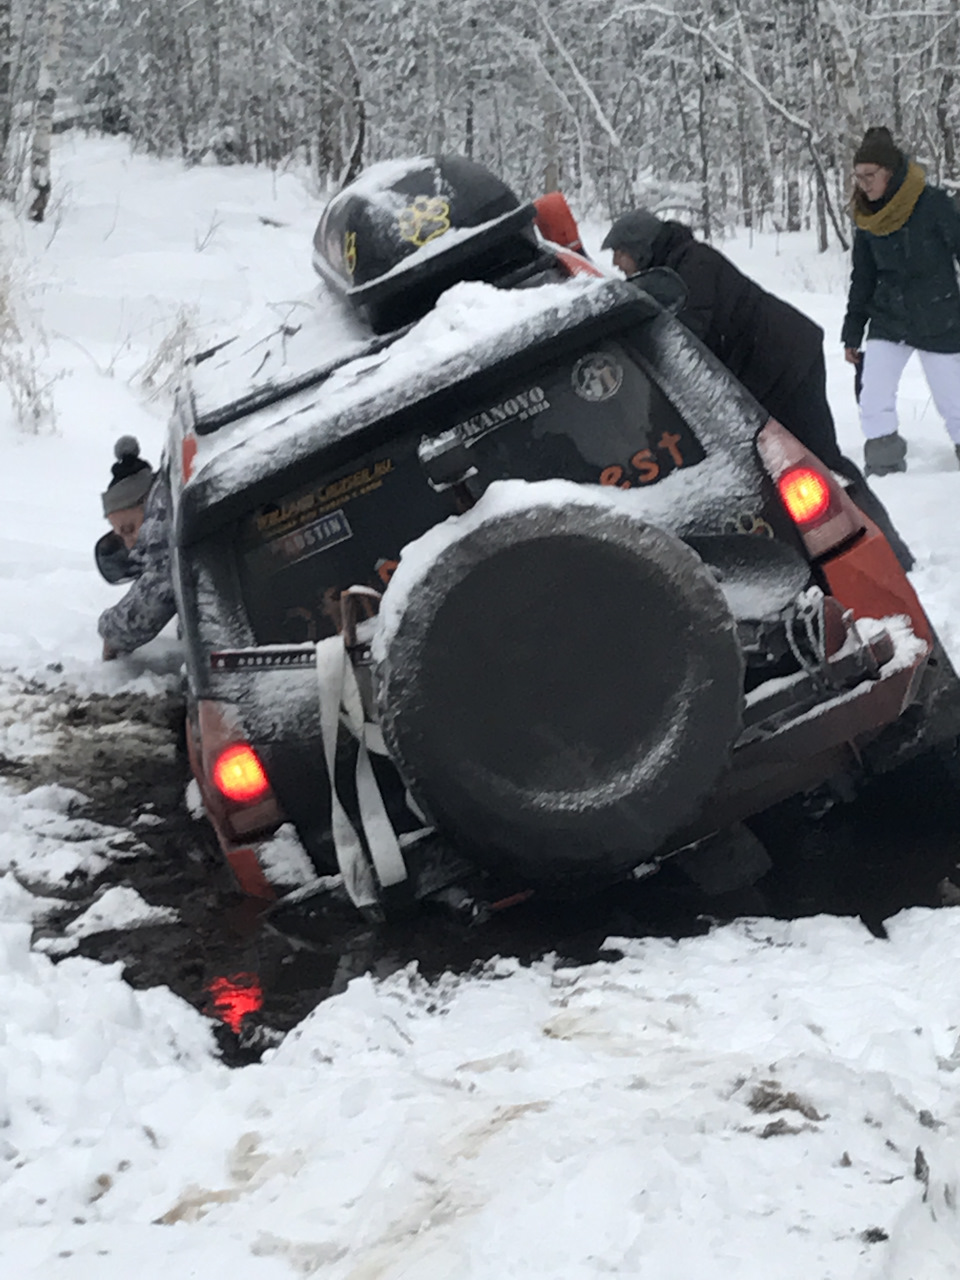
column 257, row 971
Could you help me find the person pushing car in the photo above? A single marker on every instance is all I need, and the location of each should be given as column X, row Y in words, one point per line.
column 773, row 349
column 137, row 505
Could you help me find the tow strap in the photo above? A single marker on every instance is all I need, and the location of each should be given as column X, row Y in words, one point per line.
column 340, row 701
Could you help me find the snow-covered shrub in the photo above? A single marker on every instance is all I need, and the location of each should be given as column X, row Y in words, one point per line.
column 162, row 371
column 22, row 347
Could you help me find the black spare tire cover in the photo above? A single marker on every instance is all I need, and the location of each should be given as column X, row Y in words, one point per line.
column 561, row 689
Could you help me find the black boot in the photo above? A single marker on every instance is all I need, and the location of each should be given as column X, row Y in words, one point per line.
column 884, row 455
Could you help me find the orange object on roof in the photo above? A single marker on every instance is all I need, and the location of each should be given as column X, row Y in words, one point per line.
column 556, row 223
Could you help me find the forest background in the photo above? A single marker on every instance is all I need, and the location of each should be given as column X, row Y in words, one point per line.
column 726, row 112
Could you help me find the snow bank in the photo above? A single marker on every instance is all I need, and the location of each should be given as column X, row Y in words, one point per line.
column 692, row 1108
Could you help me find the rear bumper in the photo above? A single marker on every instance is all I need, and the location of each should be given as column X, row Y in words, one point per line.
column 801, row 735
column 801, row 752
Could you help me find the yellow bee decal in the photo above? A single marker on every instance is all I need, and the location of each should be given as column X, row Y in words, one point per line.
column 424, row 220
column 350, row 251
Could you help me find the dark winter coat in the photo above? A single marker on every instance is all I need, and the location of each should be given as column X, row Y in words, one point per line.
column 149, row 604
column 904, row 285
column 766, row 344
column 769, row 346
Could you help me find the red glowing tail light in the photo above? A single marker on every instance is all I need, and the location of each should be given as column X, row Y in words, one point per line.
column 824, row 514
column 805, row 494
column 239, row 775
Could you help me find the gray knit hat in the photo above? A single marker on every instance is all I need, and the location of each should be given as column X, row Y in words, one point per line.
column 132, row 477
column 635, row 232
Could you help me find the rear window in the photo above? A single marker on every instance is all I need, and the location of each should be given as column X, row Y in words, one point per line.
column 594, row 417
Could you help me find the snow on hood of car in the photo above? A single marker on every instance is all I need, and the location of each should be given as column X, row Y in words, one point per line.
column 472, row 326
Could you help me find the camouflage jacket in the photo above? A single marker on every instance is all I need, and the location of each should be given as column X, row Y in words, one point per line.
column 149, row 604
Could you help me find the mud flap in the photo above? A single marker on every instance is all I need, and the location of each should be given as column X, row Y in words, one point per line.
column 375, row 871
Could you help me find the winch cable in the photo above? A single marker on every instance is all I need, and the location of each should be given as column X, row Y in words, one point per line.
column 340, row 700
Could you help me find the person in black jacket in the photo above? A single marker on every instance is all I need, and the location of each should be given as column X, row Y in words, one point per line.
column 903, row 292
column 773, row 349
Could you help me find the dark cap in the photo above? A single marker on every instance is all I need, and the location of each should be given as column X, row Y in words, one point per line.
column 878, row 147
column 132, row 477
column 635, row 233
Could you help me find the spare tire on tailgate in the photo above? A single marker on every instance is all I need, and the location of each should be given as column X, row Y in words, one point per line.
column 559, row 682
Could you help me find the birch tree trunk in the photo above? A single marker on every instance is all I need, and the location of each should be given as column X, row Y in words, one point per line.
column 945, row 104
column 43, row 118
column 764, row 167
column 551, row 156
column 6, row 83
column 848, row 85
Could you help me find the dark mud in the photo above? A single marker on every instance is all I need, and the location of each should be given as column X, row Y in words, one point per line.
column 256, row 972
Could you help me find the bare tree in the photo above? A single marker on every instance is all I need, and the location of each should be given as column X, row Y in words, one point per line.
column 6, row 79
column 731, row 110
column 43, row 115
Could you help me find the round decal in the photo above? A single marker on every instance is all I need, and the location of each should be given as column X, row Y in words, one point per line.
column 597, row 376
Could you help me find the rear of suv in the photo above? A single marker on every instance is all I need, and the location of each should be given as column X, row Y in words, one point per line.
column 535, row 580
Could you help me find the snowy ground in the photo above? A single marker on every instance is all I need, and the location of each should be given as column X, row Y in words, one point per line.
column 772, row 1099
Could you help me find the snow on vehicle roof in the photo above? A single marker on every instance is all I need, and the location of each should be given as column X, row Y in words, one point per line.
column 293, row 340
column 472, row 326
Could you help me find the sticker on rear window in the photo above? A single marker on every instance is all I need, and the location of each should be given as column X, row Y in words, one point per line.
column 518, row 408
column 597, row 377
column 328, row 531
column 649, row 465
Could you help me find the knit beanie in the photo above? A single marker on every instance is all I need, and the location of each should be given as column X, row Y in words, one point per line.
column 879, row 148
column 132, row 477
column 635, row 233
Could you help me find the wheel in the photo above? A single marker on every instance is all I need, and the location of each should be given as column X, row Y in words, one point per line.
column 561, row 688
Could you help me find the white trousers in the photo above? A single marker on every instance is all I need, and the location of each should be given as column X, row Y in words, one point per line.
column 883, row 364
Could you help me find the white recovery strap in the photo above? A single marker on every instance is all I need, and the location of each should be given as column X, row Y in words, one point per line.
column 340, row 700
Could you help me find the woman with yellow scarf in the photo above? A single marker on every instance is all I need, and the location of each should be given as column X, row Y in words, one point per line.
column 903, row 293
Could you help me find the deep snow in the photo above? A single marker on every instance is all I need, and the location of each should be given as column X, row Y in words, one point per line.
column 774, row 1099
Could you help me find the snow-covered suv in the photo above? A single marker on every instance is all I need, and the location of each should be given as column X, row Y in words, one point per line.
column 483, row 550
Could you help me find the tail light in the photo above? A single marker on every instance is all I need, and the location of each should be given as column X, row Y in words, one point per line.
column 815, row 501
column 188, row 454
column 236, row 790
column 805, row 494
column 239, row 776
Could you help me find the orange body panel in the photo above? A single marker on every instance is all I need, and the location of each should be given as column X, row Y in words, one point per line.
column 249, row 874
column 868, row 579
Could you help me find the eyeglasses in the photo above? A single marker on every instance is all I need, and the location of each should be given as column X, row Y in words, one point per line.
column 863, row 179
